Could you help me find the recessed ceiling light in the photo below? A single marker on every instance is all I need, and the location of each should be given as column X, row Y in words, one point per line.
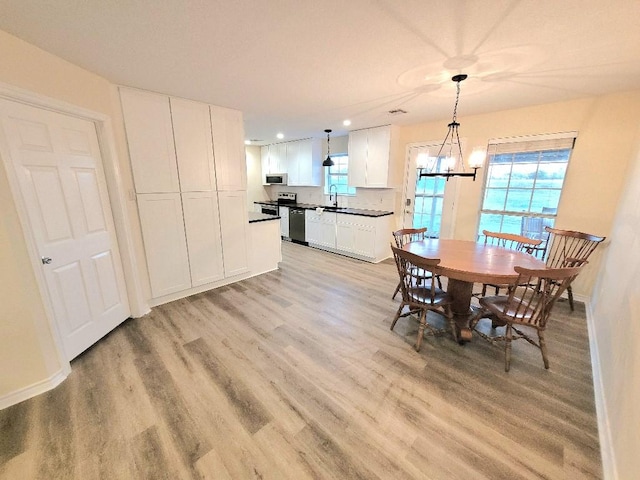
column 280, row 136
column 346, row 123
column 247, row 142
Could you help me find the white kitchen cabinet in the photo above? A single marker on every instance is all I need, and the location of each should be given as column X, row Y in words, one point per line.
column 194, row 145
column 278, row 158
column 164, row 242
column 356, row 235
column 301, row 160
column 202, row 227
column 370, row 153
column 320, row 229
column 357, row 173
column 284, row 221
column 228, row 149
column 304, row 163
column 234, row 223
column 147, row 118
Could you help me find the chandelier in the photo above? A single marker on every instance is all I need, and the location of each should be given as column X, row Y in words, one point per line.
column 451, row 150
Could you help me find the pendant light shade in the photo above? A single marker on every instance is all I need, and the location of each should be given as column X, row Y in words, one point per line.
column 327, row 161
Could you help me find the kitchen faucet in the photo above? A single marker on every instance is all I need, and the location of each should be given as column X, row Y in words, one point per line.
column 335, row 201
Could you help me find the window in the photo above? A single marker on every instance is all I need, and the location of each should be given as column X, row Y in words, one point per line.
column 427, row 209
column 523, row 184
column 338, row 175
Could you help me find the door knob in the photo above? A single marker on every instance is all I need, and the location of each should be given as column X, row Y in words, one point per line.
column 46, row 260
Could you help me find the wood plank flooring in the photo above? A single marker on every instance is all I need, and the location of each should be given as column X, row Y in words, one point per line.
column 296, row 375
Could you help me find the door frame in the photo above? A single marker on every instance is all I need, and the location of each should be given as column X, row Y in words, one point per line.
column 450, row 200
column 138, row 305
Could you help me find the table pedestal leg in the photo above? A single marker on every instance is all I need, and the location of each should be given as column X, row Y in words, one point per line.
column 461, row 293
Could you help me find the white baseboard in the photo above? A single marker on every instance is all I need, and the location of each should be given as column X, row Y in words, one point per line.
column 37, row 388
column 604, row 428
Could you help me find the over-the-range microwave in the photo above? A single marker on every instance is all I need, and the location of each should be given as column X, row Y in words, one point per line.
column 275, row 179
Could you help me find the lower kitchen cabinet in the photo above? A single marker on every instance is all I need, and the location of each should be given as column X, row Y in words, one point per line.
column 164, row 242
column 359, row 236
column 320, row 229
column 284, row 221
column 202, row 227
column 356, row 235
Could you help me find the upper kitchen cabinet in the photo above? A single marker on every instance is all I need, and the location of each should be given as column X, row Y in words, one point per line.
column 304, row 163
column 194, row 146
column 300, row 160
column 370, row 153
column 147, row 118
column 274, row 158
column 228, row 149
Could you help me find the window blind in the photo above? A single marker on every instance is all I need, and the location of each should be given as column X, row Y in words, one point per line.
column 533, row 143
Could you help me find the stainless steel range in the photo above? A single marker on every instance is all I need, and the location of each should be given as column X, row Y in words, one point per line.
column 296, row 216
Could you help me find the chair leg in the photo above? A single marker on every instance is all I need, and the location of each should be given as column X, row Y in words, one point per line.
column 543, row 348
column 570, row 295
column 507, row 348
column 396, row 291
column 395, row 319
column 484, row 289
column 423, row 324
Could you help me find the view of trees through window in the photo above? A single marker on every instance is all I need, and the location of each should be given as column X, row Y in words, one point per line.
column 338, row 175
column 522, row 191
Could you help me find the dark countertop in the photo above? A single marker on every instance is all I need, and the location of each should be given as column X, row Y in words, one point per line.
column 255, row 217
column 348, row 211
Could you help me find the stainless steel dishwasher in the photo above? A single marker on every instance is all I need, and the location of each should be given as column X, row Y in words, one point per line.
column 296, row 225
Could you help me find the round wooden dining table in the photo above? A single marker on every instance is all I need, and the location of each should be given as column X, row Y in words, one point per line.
column 464, row 263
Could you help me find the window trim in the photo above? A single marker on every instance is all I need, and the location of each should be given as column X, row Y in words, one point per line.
column 328, row 175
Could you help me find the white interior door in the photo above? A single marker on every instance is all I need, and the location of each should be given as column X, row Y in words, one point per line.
column 57, row 162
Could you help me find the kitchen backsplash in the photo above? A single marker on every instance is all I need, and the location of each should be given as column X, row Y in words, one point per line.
column 365, row 198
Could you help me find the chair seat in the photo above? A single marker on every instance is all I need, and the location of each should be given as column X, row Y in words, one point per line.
column 497, row 305
column 422, row 294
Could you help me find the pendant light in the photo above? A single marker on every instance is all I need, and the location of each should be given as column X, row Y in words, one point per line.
column 327, row 161
column 451, row 147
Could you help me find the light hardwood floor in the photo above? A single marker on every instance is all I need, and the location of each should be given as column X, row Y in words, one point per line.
column 296, row 375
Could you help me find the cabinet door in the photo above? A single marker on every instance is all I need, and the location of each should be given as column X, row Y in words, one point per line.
column 344, row 237
column 202, row 226
column 194, row 147
column 265, row 162
column 364, row 240
column 292, row 163
column 147, row 119
column 228, row 149
column 358, row 158
column 164, row 242
column 234, row 223
column 311, row 227
column 310, row 163
column 378, row 145
column 284, row 221
column 278, row 157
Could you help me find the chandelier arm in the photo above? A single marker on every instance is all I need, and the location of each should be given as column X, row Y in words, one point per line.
column 459, row 148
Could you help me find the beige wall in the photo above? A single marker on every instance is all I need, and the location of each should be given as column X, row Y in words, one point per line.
column 606, row 129
column 255, row 189
column 27, row 352
column 616, row 328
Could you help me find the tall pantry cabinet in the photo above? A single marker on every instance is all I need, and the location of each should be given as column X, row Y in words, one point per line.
column 190, row 179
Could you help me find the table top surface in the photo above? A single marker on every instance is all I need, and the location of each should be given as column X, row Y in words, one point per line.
column 474, row 262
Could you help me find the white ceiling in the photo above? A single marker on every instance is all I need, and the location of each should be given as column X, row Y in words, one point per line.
column 300, row 66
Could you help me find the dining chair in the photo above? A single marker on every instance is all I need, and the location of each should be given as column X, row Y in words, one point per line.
column 407, row 235
column 511, row 241
column 527, row 305
column 565, row 246
column 420, row 293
